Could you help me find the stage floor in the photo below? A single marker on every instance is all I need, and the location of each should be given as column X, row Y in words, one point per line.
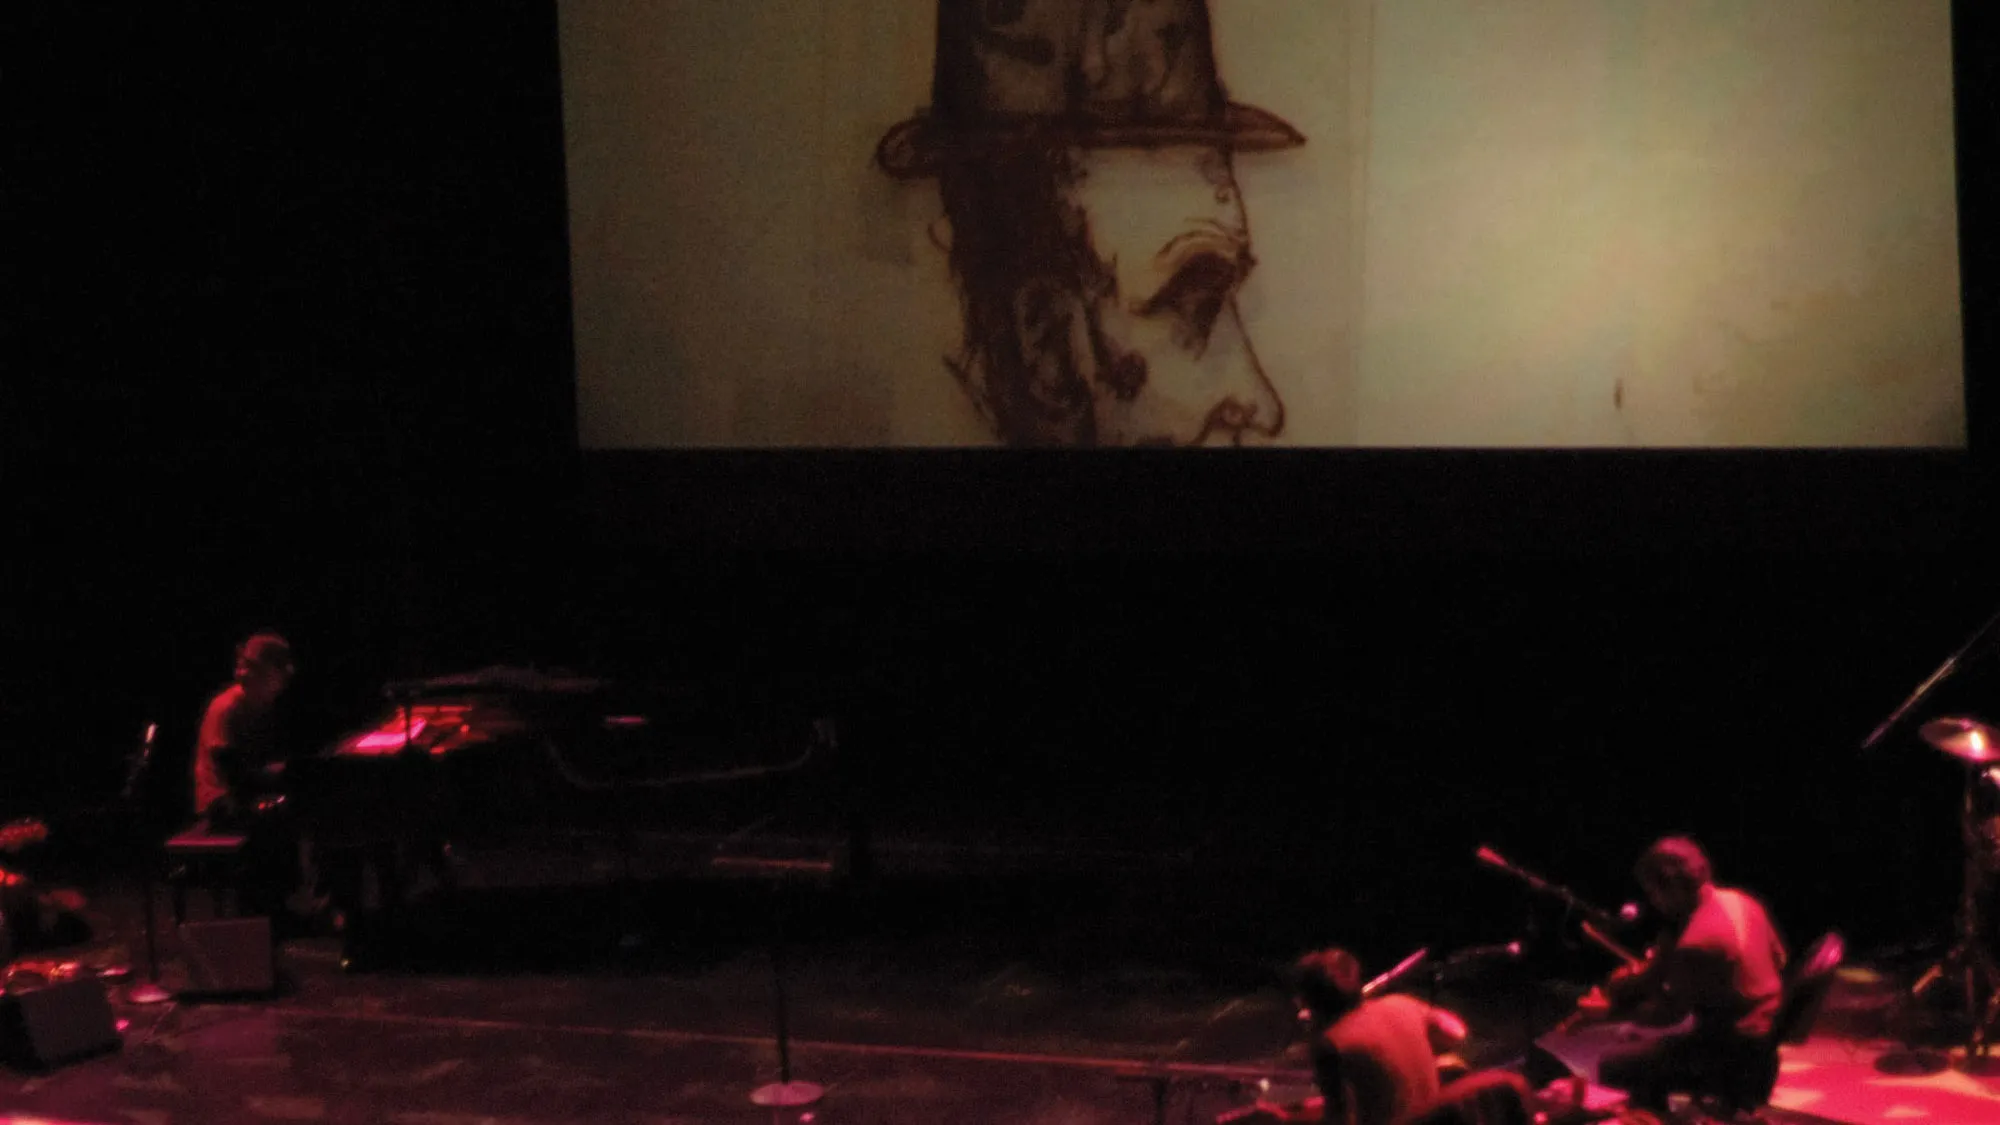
column 937, row 1027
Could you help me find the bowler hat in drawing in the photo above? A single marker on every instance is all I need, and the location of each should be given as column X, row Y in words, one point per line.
column 1085, row 73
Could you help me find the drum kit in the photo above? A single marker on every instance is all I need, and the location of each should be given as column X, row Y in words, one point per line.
column 1969, row 964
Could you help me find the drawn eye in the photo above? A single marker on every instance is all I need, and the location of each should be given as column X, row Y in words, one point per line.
column 1199, row 291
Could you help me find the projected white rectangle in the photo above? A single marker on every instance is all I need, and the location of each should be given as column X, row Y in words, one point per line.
column 1427, row 223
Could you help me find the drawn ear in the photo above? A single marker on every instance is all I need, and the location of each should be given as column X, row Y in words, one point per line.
column 1046, row 314
column 1048, row 390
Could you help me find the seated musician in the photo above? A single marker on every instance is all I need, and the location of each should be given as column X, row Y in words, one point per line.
column 1720, row 960
column 238, row 771
column 235, row 754
column 1376, row 1061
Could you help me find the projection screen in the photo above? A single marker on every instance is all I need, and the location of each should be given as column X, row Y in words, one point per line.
column 802, row 224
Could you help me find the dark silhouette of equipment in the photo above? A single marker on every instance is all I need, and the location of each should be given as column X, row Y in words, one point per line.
column 46, row 1026
column 229, row 957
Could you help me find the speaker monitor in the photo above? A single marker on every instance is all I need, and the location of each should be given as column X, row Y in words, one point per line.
column 58, row 1023
column 229, row 957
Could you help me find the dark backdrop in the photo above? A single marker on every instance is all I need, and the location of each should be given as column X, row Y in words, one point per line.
column 286, row 344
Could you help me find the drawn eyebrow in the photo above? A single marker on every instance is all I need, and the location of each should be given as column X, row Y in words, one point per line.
column 1196, row 294
column 1199, row 261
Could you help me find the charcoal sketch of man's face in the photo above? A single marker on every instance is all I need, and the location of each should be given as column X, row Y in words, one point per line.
column 1170, row 229
column 1083, row 152
column 1099, row 288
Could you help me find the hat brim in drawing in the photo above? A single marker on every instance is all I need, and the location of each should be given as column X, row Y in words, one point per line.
column 920, row 147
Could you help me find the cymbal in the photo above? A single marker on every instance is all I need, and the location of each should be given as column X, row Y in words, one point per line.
column 1968, row 739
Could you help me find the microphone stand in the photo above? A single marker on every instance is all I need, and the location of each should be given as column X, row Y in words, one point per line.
column 1944, row 670
column 787, row 1092
column 1555, row 890
column 149, row 990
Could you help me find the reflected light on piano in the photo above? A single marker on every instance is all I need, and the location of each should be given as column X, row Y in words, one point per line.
column 387, row 740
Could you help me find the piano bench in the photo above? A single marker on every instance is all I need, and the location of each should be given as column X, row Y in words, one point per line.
column 203, row 858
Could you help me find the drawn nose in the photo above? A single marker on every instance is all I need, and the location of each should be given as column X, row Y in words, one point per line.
column 1251, row 407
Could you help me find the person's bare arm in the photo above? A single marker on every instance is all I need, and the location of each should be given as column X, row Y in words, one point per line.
column 1446, row 1030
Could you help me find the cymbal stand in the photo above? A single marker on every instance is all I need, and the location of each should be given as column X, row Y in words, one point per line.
column 1936, row 677
column 1968, row 962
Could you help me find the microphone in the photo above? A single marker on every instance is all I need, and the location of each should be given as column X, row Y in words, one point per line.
column 1402, row 969
column 1491, row 858
column 139, row 761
